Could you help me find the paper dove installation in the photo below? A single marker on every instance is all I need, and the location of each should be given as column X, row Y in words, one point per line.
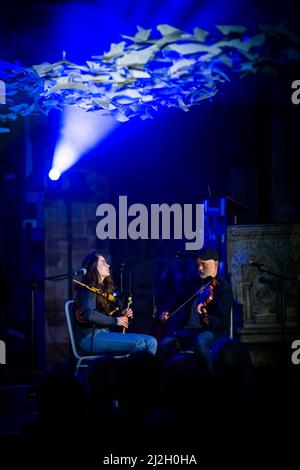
column 141, row 73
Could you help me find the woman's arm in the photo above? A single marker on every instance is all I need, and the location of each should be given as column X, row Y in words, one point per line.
column 87, row 302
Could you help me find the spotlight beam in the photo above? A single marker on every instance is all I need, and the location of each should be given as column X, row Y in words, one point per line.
column 81, row 131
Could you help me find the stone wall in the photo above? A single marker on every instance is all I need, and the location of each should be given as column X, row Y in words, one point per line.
column 63, row 240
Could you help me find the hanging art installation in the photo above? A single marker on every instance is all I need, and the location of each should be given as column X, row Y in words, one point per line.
column 142, row 73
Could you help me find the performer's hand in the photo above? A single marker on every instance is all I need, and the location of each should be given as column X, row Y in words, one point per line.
column 122, row 321
column 127, row 312
column 201, row 310
column 164, row 316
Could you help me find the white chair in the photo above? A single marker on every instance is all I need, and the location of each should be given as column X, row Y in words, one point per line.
column 82, row 358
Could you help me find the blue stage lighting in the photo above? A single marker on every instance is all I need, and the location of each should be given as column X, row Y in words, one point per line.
column 81, row 131
column 54, row 174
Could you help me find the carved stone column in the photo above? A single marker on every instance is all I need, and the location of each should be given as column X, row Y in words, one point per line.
column 259, row 294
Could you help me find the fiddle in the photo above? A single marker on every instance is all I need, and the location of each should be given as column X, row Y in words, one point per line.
column 205, row 298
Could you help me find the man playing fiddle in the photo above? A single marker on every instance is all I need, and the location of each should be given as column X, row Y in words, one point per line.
column 209, row 316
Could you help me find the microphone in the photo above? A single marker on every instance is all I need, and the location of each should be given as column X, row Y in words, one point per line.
column 255, row 264
column 61, row 277
column 78, row 272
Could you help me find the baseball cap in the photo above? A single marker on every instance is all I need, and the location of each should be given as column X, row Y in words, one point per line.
column 207, row 253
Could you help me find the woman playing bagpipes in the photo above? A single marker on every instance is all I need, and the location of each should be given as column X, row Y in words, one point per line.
column 98, row 318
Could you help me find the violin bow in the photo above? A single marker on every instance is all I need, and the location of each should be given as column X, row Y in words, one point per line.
column 190, row 298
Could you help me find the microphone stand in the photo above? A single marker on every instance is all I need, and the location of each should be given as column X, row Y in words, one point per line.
column 122, row 272
column 121, row 267
column 34, row 287
column 61, row 277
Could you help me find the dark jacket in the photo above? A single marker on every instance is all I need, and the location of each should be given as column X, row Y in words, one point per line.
column 218, row 310
column 87, row 302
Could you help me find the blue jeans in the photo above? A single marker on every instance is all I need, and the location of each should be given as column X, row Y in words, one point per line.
column 107, row 342
column 201, row 341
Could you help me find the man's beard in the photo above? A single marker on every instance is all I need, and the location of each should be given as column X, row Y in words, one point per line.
column 204, row 276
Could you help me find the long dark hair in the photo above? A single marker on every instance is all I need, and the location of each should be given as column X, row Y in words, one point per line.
column 92, row 279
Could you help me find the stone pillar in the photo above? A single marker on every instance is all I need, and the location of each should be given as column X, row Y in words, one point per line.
column 258, row 294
